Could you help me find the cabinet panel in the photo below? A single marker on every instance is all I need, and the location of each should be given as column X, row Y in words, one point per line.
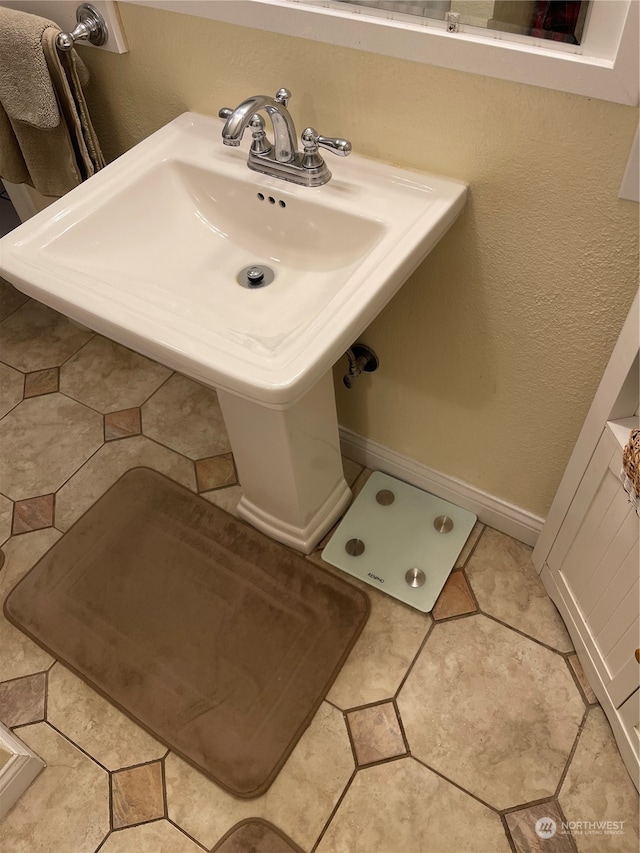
column 619, row 638
column 630, row 717
column 599, row 565
column 625, row 683
column 617, row 571
column 596, row 534
column 579, row 507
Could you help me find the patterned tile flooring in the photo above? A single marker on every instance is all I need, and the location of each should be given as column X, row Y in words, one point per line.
column 448, row 732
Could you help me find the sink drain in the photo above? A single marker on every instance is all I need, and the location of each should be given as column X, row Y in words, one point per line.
column 254, row 276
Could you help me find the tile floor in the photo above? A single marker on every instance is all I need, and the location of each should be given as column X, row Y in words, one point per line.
column 444, row 733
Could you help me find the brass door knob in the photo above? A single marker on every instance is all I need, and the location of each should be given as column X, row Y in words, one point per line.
column 638, row 655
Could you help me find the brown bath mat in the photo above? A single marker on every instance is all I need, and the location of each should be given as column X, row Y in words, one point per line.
column 255, row 835
column 217, row 640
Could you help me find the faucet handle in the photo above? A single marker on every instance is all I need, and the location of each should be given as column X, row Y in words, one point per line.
column 225, row 112
column 311, row 141
column 339, row 146
column 259, row 142
column 283, row 96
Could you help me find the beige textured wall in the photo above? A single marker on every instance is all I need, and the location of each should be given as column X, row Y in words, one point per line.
column 491, row 352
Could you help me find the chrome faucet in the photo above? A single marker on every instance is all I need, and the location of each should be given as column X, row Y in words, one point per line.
column 284, row 131
column 282, row 160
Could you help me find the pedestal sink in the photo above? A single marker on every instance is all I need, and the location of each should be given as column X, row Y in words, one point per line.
column 149, row 251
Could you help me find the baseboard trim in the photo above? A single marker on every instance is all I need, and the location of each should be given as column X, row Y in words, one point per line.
column 493, row 511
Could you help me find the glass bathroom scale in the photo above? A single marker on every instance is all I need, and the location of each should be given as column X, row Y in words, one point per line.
column 400, row 539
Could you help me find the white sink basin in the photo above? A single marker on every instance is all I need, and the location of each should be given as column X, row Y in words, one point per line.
column 148, row 250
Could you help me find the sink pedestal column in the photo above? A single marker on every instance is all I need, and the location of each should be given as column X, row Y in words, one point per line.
column 289, row 464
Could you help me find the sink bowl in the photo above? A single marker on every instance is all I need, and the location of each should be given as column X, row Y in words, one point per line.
column 152, row 251
column 148, row 252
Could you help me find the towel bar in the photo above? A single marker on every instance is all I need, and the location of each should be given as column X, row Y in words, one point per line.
column 91, row 26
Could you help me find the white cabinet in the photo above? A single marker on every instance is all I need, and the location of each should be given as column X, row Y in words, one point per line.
column 595, row 559
column 588, row 554
column 629, row 713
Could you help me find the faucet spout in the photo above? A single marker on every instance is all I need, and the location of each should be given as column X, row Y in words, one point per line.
column 284, row 131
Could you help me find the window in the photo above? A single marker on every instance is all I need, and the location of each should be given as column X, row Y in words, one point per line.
column 604, row 65
column 559, row 20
